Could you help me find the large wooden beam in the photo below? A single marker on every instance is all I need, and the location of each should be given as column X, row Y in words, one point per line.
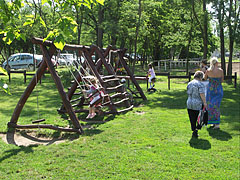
column 132, row 77
column 30, row 88
column 60, row 88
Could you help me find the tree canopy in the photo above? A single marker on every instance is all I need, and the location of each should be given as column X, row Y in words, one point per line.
column 162, row 29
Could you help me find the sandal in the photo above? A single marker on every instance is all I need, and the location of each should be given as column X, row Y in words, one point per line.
column 92, row 115
column 89, row 116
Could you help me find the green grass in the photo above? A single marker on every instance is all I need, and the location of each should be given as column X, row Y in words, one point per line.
column 151, row 142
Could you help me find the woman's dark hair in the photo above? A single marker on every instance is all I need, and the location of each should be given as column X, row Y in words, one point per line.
column 198, row 74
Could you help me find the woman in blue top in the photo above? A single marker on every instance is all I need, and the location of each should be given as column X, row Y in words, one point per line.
column 196, row 100
column 214, row 92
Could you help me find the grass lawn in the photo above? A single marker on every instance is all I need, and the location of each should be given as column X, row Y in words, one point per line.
column 153, row 141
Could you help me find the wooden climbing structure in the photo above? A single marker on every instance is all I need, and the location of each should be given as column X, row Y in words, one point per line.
column 73, row 101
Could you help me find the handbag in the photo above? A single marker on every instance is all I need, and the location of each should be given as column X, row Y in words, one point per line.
column 202, row 119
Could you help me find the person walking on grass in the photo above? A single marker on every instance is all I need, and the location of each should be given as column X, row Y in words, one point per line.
column 196, row 101
column 214, row 92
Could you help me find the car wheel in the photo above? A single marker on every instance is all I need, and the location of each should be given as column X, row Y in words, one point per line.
column 31, row 67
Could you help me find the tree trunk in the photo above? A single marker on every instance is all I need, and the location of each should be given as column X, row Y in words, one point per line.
column 229, row 72
column 136, row 37
column 220, row 21
column 205, row 33
column 189, row 42
column 99, row 27
column 204, row 28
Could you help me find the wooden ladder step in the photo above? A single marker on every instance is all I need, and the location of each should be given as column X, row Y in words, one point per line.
column 114, row 88
column 121, row 101
column 110, row 80
column 108, row 77
column 118, row 95
column 74, row 100
column 120, row 111
column 106, row 103
column 127, row 109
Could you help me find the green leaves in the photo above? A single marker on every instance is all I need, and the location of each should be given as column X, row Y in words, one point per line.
column 59, row 42
column 3, row 71
column 100, row 2
column 65, row 26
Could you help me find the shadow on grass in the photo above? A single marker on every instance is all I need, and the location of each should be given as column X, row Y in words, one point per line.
column 28, row 138
column 219, row 134
column 200, row 143
column 14, row 152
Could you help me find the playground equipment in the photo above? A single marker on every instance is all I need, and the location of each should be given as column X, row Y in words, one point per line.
column 101, row 69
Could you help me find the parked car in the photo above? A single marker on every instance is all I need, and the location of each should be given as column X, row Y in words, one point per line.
column 64, row 59
column 22, row 61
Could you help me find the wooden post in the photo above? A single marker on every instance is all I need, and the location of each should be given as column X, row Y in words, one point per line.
column 132, row 77
column 147, row 83
column 60, row 88
column 9, row 76
column 235, row 79
column 168, row 81
column 25, row 78
column 189, row 76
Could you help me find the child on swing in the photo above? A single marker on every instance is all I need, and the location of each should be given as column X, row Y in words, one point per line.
column 152, row 74
column 95, row 95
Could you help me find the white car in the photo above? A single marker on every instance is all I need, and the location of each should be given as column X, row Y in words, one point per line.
column 65, row 59
column 22, row 61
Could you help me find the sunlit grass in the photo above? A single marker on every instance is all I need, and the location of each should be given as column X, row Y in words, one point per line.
column 153, row 141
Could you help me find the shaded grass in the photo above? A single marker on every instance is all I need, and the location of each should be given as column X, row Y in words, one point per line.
column 151, row 142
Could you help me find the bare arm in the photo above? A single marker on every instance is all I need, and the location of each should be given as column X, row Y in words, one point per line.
column 202, row 95
column 222, row 79
column 205, row 75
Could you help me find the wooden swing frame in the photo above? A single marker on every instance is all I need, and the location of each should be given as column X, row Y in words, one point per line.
column 66, row 97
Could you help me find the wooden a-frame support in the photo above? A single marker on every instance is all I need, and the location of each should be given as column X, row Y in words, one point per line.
column 66, row 97
column 46, row 63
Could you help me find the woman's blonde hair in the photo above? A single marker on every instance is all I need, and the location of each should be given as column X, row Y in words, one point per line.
column 213, row 62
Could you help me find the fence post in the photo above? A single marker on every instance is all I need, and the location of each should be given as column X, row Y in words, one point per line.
column 147, row 82
column 168, row 80
column 9, row 76
column 25, row 78
column 189, row 76
column 235, row 79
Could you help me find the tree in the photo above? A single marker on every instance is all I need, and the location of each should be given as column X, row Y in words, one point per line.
column 62, row 28
column 232, row 20
column 203, row 27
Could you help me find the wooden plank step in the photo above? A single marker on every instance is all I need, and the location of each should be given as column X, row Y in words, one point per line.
column 107, row 77
column 114, row 88
column 127, row 109
column 110, row 80
column 74, row 100
column 120, row 111
column 121, row 101
column 106, row 103
column 118, row 95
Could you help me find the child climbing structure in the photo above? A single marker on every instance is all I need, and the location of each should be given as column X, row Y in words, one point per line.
column 114, row 94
